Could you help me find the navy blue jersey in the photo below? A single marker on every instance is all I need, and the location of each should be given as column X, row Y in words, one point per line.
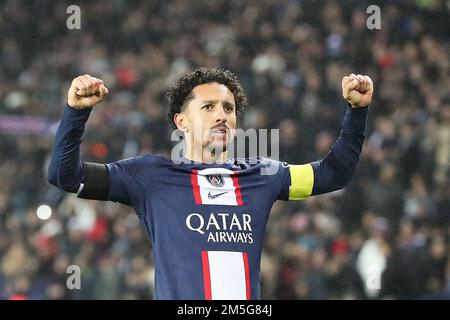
column 206, row 221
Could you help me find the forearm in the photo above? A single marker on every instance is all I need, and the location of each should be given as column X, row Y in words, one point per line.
column 66, row 170
column 336, row 169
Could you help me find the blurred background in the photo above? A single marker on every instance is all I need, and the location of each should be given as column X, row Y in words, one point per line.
column 384, row 237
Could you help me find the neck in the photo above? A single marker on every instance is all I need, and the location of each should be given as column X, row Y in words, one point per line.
column 201, row 154
column 206, row 156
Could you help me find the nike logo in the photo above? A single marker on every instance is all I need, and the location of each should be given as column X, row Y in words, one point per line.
column 213, row 196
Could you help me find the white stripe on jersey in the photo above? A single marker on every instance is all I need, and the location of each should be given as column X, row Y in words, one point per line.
column 228, row 275
column 210, row 194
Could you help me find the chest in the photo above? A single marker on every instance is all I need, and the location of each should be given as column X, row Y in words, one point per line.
column 214, row 187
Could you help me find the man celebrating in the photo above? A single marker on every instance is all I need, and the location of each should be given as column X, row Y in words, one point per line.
column 206, row 215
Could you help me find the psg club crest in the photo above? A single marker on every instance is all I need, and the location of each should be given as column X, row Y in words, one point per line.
column 216, row 180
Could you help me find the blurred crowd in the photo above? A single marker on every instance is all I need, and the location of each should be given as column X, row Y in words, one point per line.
column 383, row 237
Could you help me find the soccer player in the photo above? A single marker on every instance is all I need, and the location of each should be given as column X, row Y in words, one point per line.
column 207, row 215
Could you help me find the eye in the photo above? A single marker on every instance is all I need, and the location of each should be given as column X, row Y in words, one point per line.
column 208, row 106
column 229, row 108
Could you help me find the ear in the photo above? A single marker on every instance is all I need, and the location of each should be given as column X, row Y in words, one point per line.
column 181, row 122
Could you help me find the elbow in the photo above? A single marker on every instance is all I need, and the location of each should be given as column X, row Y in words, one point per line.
column 52, row 175
column 54, row 178
column 331, row 175
column 342, row 172
column 343, row 179
column 342, row 184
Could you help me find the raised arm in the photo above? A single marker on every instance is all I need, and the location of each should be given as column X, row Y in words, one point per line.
column 336, row 170
column 66, row 171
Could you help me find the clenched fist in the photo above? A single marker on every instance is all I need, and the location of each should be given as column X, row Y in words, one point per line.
column 357, row 90
column 85, row 92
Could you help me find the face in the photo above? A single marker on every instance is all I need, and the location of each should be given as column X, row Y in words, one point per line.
column 209, row 119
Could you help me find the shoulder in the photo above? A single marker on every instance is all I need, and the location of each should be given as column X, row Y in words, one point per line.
column 266, row 165
column 139, row 163
column 252, row 161
column 141, row 169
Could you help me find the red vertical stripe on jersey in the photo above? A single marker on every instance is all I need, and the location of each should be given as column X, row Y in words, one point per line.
column 247, row 275
column 238, row 190
column 195, row 187
column 206, row 275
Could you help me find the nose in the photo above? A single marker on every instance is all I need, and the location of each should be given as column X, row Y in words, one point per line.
column 221, row 116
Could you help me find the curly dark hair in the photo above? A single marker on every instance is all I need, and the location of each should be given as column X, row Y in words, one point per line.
column 181, row 93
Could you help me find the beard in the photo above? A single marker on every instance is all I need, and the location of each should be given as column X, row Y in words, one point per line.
column 218, row 145
column 216, row 148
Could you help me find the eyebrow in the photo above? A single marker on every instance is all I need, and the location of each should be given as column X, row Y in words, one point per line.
column 225, row 103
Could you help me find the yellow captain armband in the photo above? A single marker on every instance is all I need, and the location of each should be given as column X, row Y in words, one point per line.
column 302, row 181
